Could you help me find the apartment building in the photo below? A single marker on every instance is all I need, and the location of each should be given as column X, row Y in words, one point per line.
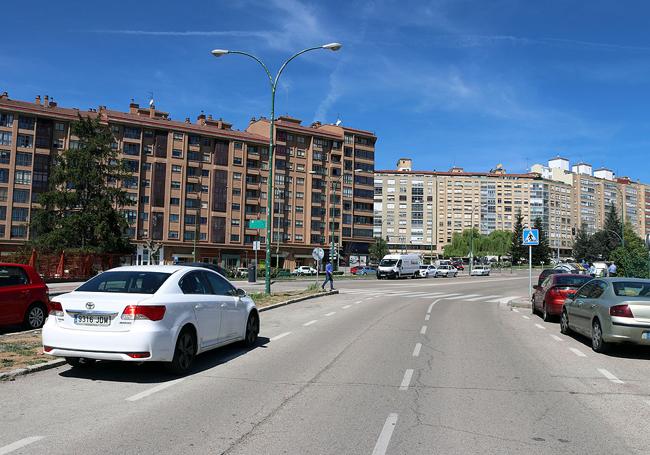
column 199, row 184
column 422, row 210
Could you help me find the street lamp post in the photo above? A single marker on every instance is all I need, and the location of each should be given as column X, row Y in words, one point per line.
column 273, row 84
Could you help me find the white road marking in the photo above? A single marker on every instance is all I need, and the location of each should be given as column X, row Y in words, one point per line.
column 369, row 298
column 526, row 317
column 282, row 335
column 463, row 297
column 446, row 296
column 515, row 310
column 313, row 321
column 431, row 306
column 540, row 326
column 385, row 435
column 427, row 317
column 330, row 313
column 610, row 376
column 345, row 307
column 32, row 439
column 482, row 297
column 578, row 352
column 423, row 330
column 416, row 351
column 503, row 300
column 408, row 374
column 556, row 338
column 358, row 301
column 151, row 391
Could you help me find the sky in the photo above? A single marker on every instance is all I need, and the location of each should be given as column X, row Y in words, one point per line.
column 445, row 82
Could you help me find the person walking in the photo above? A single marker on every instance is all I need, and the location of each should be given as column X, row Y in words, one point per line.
column 592, row 270
column 611, row 270
column 328, row 276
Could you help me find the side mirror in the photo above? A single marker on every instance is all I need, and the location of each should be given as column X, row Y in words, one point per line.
column 571, row 295
column 240, row 292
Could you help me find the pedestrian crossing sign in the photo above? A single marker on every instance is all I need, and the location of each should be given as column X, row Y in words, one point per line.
column 530, row 237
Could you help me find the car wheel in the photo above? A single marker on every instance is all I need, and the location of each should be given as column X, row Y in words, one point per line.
column 252, row 330
column 80, row 362
column 184, row 353
column 35, row 316
column 545, row 314
column 564, row 323
column 597, row 342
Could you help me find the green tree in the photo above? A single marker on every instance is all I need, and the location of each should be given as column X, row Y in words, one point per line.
column 583, row 246
column 631, row 259
column 80, row 211
column 609, row 238
column 517, row 250
column 541, row 252
column 379, row 249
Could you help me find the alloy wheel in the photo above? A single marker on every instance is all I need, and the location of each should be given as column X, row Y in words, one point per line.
column 186, row 350
column 36, row 317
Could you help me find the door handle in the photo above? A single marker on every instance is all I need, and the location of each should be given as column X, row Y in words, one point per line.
column 198, row 306
column 593, row 305
column 224, row 305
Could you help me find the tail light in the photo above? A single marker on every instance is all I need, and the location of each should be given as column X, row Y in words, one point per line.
column 138, row 355
column 621, row 311
column 150, row 312
column 56, row 309
column 47, row 348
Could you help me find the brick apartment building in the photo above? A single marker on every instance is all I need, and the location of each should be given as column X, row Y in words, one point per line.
column 201, row 183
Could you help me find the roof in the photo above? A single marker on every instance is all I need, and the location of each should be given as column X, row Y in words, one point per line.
column 559, row 158
column 34, row 108
column 456, row 174
column 291, row 126
column 152, row 268
column 356, row 130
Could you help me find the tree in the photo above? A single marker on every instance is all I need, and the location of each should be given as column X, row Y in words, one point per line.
column 541, row 252
column 379, row 249
column 607, row 240
column 631, row 259
column 517, row 250
column 583, row 246
column 80, row 211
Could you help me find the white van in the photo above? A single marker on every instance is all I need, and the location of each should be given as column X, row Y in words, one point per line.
column 398, row 266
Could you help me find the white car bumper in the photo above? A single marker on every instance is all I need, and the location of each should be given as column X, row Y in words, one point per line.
column 102, row 345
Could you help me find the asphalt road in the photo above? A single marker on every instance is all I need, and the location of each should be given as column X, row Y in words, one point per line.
column 408, row 367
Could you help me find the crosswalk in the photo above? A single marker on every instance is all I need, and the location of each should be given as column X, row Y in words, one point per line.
column 503, row 299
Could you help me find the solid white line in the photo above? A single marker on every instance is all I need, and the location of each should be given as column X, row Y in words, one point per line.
column 345, row 307
column 32, row 439
column 540, row 326
column 427, row 317
column 515, row 310
column 385, row 435
column 369, row 298
column 358, row 301
column 408, row 374
column 578, row 352
column 431, row 306
column 482, row 297
column 610, row 376
column 330, row 313
column 282, row 335
column 556, row 338
column 445, row 296
column 463, row 297
column 313, row 321
column 526, row 317
column 416, row 351
column 423, row 330
column 151, row 391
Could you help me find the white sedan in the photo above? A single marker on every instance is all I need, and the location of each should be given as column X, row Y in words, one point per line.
column 149, row 313
column 480, row 271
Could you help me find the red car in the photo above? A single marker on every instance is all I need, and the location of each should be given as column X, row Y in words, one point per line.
column 354, row 269
column 549, row 297
column 23, row 296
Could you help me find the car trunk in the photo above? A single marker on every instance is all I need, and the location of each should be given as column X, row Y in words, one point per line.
column 640, row 309
column 98, row 311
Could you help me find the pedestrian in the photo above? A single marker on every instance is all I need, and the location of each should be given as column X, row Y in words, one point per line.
column 328, row 276
column 592, row 270
column 611, row 270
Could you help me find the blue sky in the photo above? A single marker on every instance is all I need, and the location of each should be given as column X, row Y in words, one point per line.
column 468, row 83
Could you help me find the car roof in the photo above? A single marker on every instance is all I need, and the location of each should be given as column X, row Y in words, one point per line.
column 153, row 268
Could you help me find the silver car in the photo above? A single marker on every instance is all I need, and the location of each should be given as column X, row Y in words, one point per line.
column 446, row 271
column 609, row 310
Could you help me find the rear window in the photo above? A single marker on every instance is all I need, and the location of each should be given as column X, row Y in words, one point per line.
column 125, row 282
column 575, row 281
column 632, row 289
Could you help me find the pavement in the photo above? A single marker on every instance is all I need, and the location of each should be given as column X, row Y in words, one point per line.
column 385, row 367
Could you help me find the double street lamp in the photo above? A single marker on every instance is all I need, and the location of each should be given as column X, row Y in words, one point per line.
column 273, row 81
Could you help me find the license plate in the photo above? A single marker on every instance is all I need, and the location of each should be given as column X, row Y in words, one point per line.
column 645, row 336
column 92, row 319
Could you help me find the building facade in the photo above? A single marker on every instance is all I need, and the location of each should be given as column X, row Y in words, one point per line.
column 195, row 187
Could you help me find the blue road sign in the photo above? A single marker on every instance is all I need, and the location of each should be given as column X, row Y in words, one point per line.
column 530, row 237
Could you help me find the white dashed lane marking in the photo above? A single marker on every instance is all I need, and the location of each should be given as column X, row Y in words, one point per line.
column 578, row 352
column 416, row 350
column 556, row 338
column 427, row 317
column 21, row 443
column 526, row 317
column 406, row 381
column 610, row 376
column 151, row 391
column 540, row 326
column 313, row 321
column 345, row 307
column 330, row 313
column 282, row 335
column 385, row 435
column 423, row 330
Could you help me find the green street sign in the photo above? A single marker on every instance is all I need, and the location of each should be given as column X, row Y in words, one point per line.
column 257, row 224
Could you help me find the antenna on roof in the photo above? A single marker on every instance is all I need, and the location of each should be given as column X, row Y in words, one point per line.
column 338, row 120
column 151, row 103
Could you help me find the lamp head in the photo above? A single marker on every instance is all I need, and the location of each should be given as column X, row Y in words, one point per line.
column 219, row 52
column 332, row 46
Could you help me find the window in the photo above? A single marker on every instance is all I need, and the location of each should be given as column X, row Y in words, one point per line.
column 25, row 140
column 174, row 201
column 22, row 177
column 238, row 145
column 6, row 119
column 5, row 156
column 148, row 133
column 236, row 160
column 174, row 218
column 234, row 237
column 176, row 185
column 3, row 194
column 219, row 285
column 131, row 149
column 18, row 232
column 178, row 136
column 172, row 235
column 19, row 214
column 21, row 196
column 176, row 168
column 5, row 138
column 131, row 133
column 177, row 153
column 59, row 126
column 234, row 222
column 236, row 176
column 144, row 199
column 26, row 123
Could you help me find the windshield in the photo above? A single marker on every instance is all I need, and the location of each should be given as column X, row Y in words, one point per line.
column 388, row 262
column 125, row 282
column 632, row 289
column 573, row 281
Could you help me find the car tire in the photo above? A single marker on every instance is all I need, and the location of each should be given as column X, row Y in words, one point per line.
column 35, row 316
column 80, row 362
column 252, row 330
column 545, row 314
column 184, row 353
column 564, row 323
column 597, row 342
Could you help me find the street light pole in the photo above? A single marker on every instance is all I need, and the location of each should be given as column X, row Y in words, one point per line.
column 471, row 240
column 273, row 83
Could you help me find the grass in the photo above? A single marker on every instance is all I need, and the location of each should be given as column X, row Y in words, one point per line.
column 18, row 350
column 262, row 300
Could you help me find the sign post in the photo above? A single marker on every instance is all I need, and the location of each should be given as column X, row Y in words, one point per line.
column 256, row 248
column 318, row 254
column 530, row 239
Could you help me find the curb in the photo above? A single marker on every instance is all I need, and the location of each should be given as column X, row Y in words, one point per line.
column 520, row 304
column 300, row 299
column 9, row 375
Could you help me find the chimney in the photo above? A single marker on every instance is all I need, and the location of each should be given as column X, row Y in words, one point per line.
column 152, row 111
column 4, row 95
column 200, row 120
column 46, row 100
column 52, row 103
column 133, row 107
column 187, row 120
column 209, row 116
column 38, row 100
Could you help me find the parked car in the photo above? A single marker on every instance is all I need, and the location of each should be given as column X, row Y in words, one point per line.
column 571, row 267
column 609, row 311
column 241, row 272
column 364, row 270
column 428, row 271
column 149, row 314
column 304, row 270
column 399, row 266
column 549, row 297
column 601, row 269
column 446, row 271
column 547, row 272
column 353, row 270
column 23, row 296
column 206, row 265
column 481, row 270
column 459, row 265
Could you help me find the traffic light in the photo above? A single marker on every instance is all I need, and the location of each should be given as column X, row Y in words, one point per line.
column 573, row 231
